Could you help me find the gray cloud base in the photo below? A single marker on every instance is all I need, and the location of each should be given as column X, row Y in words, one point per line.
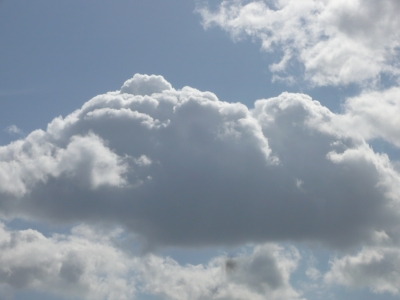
column 180, row 167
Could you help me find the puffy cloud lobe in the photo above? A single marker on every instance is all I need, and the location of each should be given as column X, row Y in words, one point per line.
column 145, row 85
column 330, row 165
column 183, row 168
column 376, row 268
column 87, row 265
column 79, row 265
column 264, row 273
column 335, row 42
column 374, row 114
column 267, row 269
column 87, row 159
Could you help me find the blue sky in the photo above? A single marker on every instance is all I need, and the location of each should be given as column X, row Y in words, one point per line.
column 174, row 183
column 68, row 51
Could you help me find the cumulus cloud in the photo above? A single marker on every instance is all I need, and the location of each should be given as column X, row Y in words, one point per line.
column 376, row 268
column 330, row 42
column 145, row 85
column 80, row 265
column 374, row 114
column 180, row 167
column 13, row 129
column 86, row 159
column 262, row 273
column 86, row 264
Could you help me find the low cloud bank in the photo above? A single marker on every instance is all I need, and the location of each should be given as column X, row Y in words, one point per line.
column 87, row 264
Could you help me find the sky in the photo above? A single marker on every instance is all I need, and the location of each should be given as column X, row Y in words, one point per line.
column 178, row 150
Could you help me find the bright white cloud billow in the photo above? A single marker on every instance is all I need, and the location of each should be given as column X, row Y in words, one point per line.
column 86, row 159
column 331, row 42
column 145, row 85
column 286, row 169
column 263, row 273
column 374, row 114
column 376, row 268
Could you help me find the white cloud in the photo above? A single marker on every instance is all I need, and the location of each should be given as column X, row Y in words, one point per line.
column 313, row 273
column 26, row 163
column 374, row 114
column 13, row 129
column 87, row 265
column 264, row 273
column 180, row 167
column 78, row 265
column 145, row 85
column 376, row 268
column 335, row 42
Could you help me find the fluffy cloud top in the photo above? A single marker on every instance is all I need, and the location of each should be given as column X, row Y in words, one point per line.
column 335, row 42
column 180, row 167
column 87, row 159
column 145, row 85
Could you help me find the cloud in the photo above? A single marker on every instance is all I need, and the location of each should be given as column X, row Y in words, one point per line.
column 374, row 114
column 78, row 265
column 86, row 264
column 180, row 167
column 376, row 268
column 145, row 85
column 328, row 42
column 262, row 273
column 85, row 159
column 13, row 129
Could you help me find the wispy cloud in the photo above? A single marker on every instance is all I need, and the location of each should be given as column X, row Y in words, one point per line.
column 13, row 129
